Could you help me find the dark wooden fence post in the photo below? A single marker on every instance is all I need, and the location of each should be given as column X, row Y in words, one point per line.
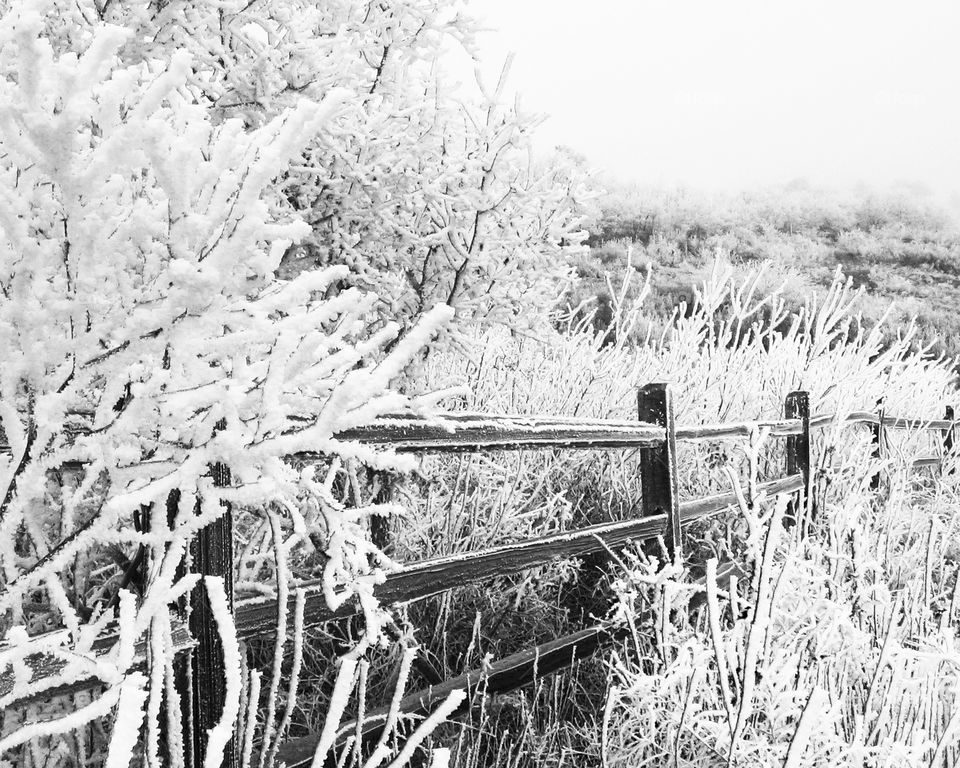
column 797, row 406
column 380, row 525
column 211, row 554
column 878, row 437
column 201, row 674
column 658, row 465
column 947, row 435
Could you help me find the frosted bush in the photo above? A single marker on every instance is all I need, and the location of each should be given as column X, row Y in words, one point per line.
column 427, row 190
column 147, row 339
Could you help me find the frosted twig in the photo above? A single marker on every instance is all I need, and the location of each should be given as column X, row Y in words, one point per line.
column 253, row 704
column 380, row 752
column 220, row 734
column 296, row 663
column 713, row 612
column 758, row 627
column 812, row 711
column 156, row 669
column 948, row 739
column 453, row 700
column 885, row 651
column 692, row 684
column 174, row 722
column 608, row 704
column 282, row 581
column 127, row 722
column 338, row 703
column 361, row 711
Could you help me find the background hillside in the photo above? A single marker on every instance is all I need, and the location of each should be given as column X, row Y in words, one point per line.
column 900, row 247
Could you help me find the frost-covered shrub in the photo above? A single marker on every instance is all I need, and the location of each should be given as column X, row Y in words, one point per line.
column 146, row 339
column 429, row 192
column 835, row 649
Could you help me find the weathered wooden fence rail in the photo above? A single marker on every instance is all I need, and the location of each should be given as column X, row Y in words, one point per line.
column 655, row 434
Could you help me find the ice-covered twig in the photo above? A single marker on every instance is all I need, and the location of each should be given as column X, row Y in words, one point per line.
column 338, row 703
column 222, row 732
column 713, row 611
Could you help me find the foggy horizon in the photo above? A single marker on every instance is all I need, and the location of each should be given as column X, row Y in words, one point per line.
column 739, row 96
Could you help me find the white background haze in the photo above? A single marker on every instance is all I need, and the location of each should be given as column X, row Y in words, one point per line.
column 738, row 94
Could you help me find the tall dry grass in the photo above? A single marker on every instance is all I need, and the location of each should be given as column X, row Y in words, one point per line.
column 848, row 625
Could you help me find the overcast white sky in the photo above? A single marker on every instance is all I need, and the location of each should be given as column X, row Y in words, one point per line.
column 732, row 94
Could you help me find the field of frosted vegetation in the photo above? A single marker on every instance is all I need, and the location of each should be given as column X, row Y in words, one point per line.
column 901, row 247
column 837, row 649
column 763, row 648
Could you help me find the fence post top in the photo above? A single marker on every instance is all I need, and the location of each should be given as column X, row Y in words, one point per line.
column 655, row 404
column 654, row 386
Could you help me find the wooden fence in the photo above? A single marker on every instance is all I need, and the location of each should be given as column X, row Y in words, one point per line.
column 199, row 660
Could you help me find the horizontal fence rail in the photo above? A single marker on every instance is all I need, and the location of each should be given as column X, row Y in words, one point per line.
column 461, row 432
column 45, row 668
column 894, row 422
column 465, row 433
column 927, row 461
column 473, row 431
column 428, row 578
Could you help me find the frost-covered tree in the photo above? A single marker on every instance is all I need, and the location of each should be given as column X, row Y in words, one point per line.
column 436, row 200
column 427, row 191
column 147, row 338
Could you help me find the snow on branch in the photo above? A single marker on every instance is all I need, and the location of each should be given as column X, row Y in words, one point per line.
column 140, row 236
